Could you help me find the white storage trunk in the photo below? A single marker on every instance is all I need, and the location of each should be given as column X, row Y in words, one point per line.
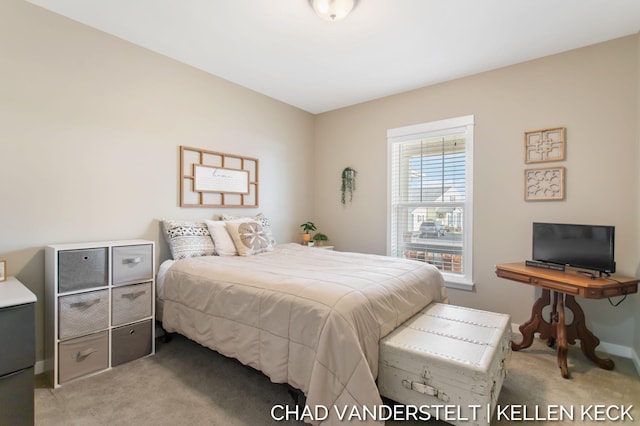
column 448, row 361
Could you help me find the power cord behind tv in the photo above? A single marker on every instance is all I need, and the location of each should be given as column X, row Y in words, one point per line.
column 618, row 302
column 624, row 292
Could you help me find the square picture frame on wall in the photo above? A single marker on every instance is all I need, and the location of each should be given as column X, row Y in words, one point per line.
column 544, row 145
column 545, row 183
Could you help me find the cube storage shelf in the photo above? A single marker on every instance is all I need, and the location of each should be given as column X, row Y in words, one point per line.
column 99, row 306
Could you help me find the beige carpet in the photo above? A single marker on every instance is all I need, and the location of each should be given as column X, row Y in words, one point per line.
column 186, row 384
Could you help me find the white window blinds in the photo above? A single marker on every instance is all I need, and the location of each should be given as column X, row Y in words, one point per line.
column 430, row 195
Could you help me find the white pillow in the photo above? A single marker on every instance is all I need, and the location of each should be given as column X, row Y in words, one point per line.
column 249, row 237
column 221, row 239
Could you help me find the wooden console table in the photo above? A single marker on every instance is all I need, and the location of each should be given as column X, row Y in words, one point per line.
column 565, row 285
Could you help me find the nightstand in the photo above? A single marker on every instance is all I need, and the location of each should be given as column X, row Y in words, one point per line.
column 17, row 316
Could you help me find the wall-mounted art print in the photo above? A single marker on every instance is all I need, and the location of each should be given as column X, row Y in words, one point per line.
column 544, row 184
column 544, row 145
column 216, row 179
column 3, row 270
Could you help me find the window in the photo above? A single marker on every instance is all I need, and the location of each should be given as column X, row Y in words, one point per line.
column 431, row 197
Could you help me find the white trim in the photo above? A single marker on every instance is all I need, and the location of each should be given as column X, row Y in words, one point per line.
column 457, row 282
column 615, row 349
column 636, row 360
column 39, row 367
column 468, row 205
column 461, row 124
column 388, row 218
column 515, row 329
column 459, row 285
column 400, row 134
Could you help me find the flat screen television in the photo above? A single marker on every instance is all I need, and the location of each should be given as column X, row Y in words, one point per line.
column 581, row 246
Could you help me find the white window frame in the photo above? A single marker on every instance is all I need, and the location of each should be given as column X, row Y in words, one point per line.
column 433, row 129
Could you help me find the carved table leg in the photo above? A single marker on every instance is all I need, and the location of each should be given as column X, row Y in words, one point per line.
column 535, row 324
column 553, row 318
column 561, row 332
column 588, row 341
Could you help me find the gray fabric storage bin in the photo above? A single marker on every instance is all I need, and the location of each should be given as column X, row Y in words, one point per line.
column 82, row 269
column 132, row 264
column 17, row 337
column 130, row 342
column 83, row 313
column 83, row 355
column 131, row 303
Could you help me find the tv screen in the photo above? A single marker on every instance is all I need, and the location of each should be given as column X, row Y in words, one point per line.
column 581, row 246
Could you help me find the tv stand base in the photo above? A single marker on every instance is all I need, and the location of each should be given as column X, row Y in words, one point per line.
column 557, row 332
column 564, row 286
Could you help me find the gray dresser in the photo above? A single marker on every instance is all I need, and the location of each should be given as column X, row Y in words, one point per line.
column 17, row 356
column 99, row 306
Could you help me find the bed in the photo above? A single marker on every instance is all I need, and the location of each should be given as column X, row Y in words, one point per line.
column 308, row 317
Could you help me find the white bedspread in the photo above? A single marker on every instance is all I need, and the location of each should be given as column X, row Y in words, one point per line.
column 304, row 316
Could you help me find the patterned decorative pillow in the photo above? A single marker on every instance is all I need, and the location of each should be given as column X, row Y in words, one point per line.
column 266, row 225
column 249, row 237
column 188, row 238
column 261, row 219
column 221, row 239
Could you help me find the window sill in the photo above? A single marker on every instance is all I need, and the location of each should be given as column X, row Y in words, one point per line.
column 457, row 282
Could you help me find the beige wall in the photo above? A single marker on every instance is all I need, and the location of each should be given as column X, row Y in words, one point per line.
column 90, row 127
column 590, row 91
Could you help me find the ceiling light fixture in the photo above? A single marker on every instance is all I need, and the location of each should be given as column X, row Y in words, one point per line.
column 332, row 10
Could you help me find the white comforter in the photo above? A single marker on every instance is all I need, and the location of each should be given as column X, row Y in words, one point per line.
column 304, row 316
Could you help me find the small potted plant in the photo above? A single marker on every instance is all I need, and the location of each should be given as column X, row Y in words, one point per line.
column 307, row 228
column 320, row 238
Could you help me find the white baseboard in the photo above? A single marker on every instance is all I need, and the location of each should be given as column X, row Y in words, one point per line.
column 610, row 348
column 615, row 349
column 636, row 361
column 515, row 328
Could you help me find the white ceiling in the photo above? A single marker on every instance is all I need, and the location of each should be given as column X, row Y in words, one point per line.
column 282, row 49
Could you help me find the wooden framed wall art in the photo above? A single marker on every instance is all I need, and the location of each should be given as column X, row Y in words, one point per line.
column 544, row 145
column 544, row 184
column 217, row 179
column 3, row 270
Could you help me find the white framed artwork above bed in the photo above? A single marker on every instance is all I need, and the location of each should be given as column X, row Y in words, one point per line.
column 306, row 317
column 217, row 179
